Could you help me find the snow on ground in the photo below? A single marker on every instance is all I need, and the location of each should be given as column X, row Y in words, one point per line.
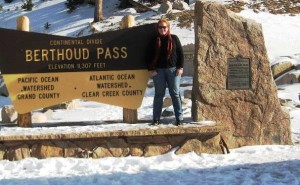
column 268, row 165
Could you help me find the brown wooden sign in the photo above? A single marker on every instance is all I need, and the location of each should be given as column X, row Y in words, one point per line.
column 41, row 70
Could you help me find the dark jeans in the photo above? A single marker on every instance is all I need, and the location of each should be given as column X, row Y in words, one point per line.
column 164, row 77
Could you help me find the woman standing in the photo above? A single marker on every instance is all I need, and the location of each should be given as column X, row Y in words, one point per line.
column 166, row 68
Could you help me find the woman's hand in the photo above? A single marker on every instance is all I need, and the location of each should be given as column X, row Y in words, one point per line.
column 152, row 73
column 179, row 71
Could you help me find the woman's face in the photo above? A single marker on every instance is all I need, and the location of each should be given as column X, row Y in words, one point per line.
column 163, row 28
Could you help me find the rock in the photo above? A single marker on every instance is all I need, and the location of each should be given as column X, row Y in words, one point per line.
column 189, row 47
column 192, row 145
column 176, row 140
column 88, row 145
column 18, row 153
column 159, row 139
column 101, row 151
column 288, row 78
column 167, row 102
column 71, row 150
column 135, row 150
column 297, row 67
column 139, row 140
column 2, row 152
column 118, row 147
column 254, row 115
column 188, row 66
column 46, row 150
column 157, row 149
column 165, row 7
column 8, row 114
column 188, row 94
column 180, row 5
column 210, row 144
column 287, row 102
column 185, row 102
column 279, row 69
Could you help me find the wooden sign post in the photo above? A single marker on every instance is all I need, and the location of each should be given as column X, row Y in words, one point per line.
column 24, row 120
column 129, row 115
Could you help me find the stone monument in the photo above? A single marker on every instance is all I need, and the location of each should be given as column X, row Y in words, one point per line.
column 233, row 83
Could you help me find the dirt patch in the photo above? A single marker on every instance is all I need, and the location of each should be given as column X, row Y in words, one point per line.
column 185, row 18
column 291, row 7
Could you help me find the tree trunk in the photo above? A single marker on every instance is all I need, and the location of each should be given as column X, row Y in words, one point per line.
column 98, row 14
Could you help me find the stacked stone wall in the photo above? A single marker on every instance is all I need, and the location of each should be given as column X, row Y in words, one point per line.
column 148, row 142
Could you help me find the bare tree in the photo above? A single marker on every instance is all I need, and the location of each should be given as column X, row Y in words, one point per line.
column 98, row 14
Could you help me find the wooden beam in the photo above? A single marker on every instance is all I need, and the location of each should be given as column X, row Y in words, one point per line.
column 129, row 115
column 24, row 120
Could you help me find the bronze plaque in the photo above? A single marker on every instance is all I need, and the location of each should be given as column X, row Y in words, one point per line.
column 238, row 73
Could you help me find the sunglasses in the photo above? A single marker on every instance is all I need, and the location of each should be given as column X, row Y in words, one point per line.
column 162, row 27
